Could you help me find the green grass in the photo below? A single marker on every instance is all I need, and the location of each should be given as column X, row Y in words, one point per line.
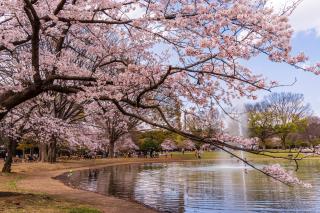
column 191, row 155
column 12, row 184
column 26, row 202
column 216, row 155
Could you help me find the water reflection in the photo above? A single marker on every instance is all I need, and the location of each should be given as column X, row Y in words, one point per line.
column 203, row 187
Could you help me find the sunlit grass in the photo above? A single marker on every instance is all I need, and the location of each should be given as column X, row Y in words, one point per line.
column 220, row 155
column 26, row 202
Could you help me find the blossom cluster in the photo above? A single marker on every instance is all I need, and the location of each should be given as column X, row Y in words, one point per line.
column 168, row 145
column 282, row 175
column 241, row 142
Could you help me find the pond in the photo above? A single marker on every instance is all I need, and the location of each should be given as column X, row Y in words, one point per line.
column 203, row 186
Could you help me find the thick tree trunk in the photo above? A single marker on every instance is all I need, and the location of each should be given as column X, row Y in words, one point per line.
column 11, row 99
column 31, row 152
column 52, row 151
column 23, row 153
column 11, row 149
column 111, row 149
column 105, row 151
column 43, row 151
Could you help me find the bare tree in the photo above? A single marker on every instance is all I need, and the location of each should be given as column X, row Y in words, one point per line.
column 280, row 114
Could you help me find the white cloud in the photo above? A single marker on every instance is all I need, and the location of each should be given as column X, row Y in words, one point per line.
column 306, row 17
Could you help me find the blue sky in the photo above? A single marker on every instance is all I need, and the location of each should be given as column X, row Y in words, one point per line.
column 306, row 23
column 306, row 83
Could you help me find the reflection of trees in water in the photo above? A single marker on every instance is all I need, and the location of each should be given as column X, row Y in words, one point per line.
column 276, row 195
column 159, row 188
column 186, row 187
column 118, row 180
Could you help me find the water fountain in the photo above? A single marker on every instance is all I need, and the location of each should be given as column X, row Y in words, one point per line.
column 241, row 135
column 244, row 171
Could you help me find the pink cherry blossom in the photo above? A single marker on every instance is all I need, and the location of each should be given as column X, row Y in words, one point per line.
column 281, row 174
column 168, row 145
column 186, row 52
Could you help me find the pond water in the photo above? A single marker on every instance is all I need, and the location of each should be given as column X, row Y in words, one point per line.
column 203, row 186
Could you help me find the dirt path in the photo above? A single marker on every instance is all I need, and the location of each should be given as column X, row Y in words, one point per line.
column 43, row 183
column 40, row 179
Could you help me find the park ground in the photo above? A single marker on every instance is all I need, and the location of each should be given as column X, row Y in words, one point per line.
column 31, row 187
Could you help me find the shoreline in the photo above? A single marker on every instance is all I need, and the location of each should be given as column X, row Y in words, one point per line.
column 42, row 178
column 47, row 182
column 61, row 179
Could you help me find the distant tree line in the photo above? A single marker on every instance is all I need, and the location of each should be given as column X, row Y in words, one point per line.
column 283, row 119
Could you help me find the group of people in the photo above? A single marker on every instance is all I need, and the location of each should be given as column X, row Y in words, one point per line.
column 17, row 158
column 148, row 154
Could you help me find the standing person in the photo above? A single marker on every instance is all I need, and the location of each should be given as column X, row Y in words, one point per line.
column 200, row 153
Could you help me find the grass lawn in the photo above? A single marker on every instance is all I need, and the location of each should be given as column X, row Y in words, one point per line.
column 27, row 202
column 223, row 156
column 15, row 200
column 191, row 155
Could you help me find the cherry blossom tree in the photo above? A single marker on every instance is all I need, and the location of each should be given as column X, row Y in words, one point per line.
column 114, row 125
column 188, row 145
column 63, row 112
column 205, row 122
column 168, row 145
column 13, row 128
column 105, row 50
column 65, row 41
column 206, row 146
column 49, row 121
column 125, row 144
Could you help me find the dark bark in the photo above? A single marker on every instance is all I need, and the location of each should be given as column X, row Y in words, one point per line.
column 11, row 149
column 111, row 149
column 43, row 151
column 105, row 151
column 11, row 99
column 23, row 153
column 52, row 151
column 263, row 143
column 31, row 151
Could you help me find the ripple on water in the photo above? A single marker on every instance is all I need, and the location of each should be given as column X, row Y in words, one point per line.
column 202, row 187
